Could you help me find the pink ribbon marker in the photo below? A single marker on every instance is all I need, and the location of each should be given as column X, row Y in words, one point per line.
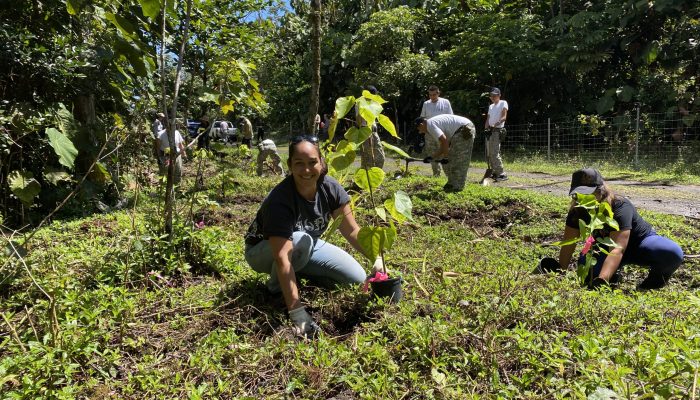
column 587, row 245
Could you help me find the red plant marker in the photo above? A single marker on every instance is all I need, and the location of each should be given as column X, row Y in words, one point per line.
column 587, row 245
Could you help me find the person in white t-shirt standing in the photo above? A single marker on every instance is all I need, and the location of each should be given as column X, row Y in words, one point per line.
column 164, row 147
column 436, row 105
column 495, row 130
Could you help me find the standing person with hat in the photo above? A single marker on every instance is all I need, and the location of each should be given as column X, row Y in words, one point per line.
column 495, row 130
column 455, row 134
column 435, row 105
column 637, row 241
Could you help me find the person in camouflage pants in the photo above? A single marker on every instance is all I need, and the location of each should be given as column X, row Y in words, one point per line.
column 455, row 134
column 268, row 149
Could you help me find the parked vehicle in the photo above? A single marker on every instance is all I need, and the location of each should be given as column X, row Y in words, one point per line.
column 193, row 127
column 230, row 135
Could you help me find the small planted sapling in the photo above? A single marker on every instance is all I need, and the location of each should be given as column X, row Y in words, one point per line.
column 380, row 234
column 594, row 235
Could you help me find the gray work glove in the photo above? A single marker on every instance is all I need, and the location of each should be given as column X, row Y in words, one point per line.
column 304, row 325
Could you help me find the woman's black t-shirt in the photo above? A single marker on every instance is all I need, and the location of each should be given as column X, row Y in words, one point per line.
column 626, row 216
column 284, row 211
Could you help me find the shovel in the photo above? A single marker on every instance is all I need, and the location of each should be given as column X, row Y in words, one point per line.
column 487, row 179
column 413, row 159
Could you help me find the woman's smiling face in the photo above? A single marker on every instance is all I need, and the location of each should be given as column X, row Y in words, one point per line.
column 305, row 164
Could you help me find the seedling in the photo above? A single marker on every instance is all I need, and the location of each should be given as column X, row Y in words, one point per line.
column 601, row 217
column 379, row 236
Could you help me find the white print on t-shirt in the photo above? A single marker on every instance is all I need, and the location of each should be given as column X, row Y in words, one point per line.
column 305, row 225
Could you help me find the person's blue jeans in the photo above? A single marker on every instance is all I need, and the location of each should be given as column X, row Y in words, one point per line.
column 662, row 255
column 322, row 263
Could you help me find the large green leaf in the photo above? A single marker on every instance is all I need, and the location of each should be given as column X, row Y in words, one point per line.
column 151, row 8
column 371, row 178
column 400, row 206
column 375, row 97
column 73, row 6
column 340, row 161
column 332, row 127
column 388, row 125
column 374, row 240
column 343, row 105
column 124, row 25
column 358, row 135
column 369, row 110
column 63, row 147
column 370, row 238
column 395, row 149
column 24, row 186
column 403, row 204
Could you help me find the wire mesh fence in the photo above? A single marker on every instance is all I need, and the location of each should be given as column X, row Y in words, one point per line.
column 648, row 140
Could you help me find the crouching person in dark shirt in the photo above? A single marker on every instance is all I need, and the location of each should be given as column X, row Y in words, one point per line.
column 284, row 239
column 639, row 243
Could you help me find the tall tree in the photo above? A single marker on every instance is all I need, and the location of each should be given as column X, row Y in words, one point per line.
column 315, row 65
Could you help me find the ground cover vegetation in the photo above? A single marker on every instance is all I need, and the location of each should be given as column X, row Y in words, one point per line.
column 104, row 306
column 112, row 305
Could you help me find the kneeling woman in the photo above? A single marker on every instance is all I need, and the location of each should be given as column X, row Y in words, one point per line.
column 639, row 243
column 283, row 240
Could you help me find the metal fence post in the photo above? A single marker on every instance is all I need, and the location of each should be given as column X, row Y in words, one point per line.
column 549, row 139
column 636, row 140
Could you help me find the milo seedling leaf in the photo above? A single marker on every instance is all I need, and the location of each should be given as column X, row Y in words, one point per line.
column 607, row 241
column 370, row 238
column 385, row 122
column 374, row 97
column 403, row 204
column 343, row 105
column 342, row 161
column 371, row 178
column 395, row 149
column 381, row 212
column 566, row 242
column 390, row 206
column 358, row 135
column 369, row 110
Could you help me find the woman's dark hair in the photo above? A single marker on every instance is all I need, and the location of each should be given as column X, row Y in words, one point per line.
column 311, row 139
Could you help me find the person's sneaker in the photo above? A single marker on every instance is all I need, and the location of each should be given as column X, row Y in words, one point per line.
column 499, row 178
column 652, row 282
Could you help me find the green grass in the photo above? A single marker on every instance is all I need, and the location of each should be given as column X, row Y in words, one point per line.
column 138, row 318
column 677, row 173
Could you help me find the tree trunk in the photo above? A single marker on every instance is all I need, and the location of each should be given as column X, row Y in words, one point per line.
column 171, row 119
column 315, row 65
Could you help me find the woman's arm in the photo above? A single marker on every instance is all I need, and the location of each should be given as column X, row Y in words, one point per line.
column 348, row 226
column 612, row 261
column 281, row 252
column 566, row 251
